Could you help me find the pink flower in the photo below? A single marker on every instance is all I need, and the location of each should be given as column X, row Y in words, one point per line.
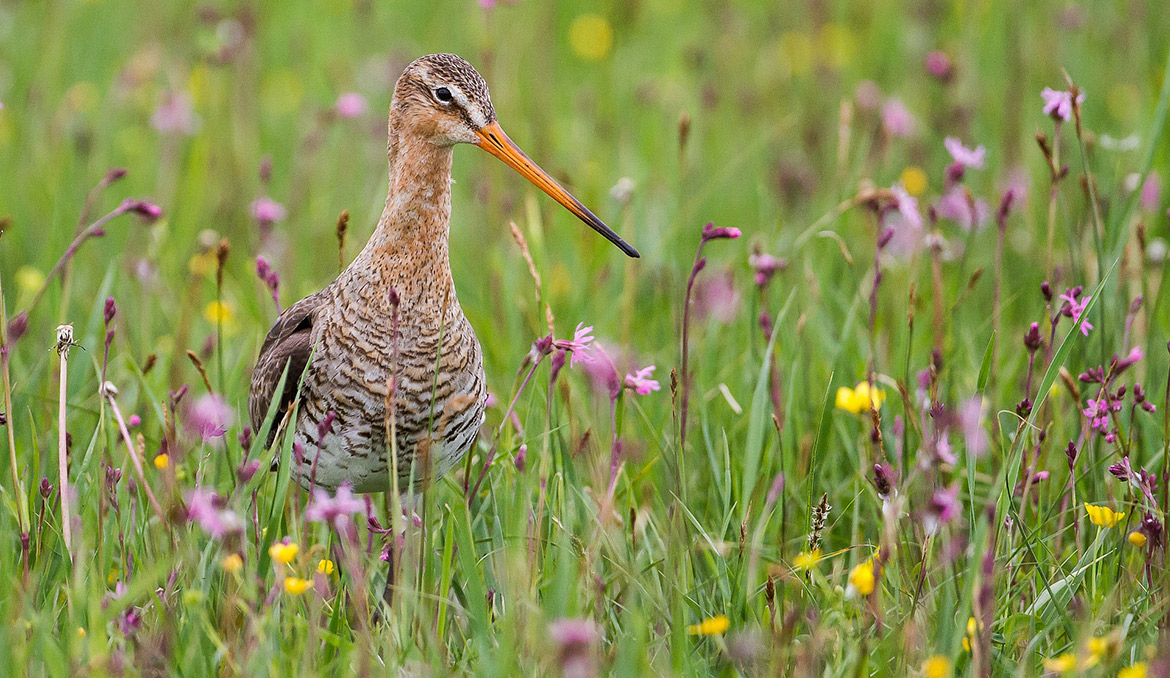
column 175, row 115
column 134, row 421
column 897, row 119
column 209, row 417
column 713, row 232
column 350, row 105
column 970, row 418
column 954, row 205
column 716, row 297
column 267, row 211
column 335, row 510
column 578, row 346
column 907, row 206
column 869, row 95
column 963, row 155
column 944, row 507
column 1151, row 192
column 1076, row 308
column 641, row 382
column 765, row 266
column 939, row 65
column 1059, row 104
column 207, row 508
column 575, row 639
column 600, row 367
column 487, row 4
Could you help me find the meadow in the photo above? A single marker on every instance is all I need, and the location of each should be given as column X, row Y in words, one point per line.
column 903, row 286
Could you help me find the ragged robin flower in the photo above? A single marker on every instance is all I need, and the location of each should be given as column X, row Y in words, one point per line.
column 712, row 626
column 859, row 399
column 1103, row 516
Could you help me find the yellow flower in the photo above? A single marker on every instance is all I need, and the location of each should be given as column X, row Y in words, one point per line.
column 858, row 400
column 295, row 585
column 591, row 37
column 283, row 552
column 1137, row 539
column 1138, row 670
column 861, row 578
column 81, row 633
column 796, row 53
column 219, row 311
column 325, row 567
column 232, row 563
column 712, row 626
column 807, row 560
column 937, row 666
column 914, row 180
column 161, row 461
column 1103, row 516
column 1062, row 664
column 202, row 264
column 29, row 279
column 973, row 627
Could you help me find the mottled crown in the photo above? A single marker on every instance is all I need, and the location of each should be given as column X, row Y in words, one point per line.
column 448, row 69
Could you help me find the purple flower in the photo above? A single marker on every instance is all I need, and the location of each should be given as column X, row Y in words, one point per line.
column 1135, row 354
column 335, row 510
column 134, row 421
column 350, row 105
column 1076, row 308
column 713, row 232
column 1059, row 105
column 267, row 211
column 641, row 382
column 111, row 309
column 175, row 115
column 965, row 156
column 897, row 120
column 578, row 346
column 207, row 508
column 209, row 417
column 939, row 65
column 519, row 458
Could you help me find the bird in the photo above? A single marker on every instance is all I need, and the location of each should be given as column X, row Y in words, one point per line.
column 386, row 345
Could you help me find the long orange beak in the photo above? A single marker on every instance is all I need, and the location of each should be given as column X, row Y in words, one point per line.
column 493, row 140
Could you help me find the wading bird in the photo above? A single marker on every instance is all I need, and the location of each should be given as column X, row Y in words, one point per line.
column 392, row 315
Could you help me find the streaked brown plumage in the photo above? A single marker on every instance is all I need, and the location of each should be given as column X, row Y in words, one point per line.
column 341, row 339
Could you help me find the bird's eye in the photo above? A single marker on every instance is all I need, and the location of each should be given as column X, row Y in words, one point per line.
column 443, row 94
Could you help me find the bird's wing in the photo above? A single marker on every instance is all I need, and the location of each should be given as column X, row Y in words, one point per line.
column 288, row 342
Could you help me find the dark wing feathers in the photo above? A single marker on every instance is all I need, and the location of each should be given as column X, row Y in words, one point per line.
column 288, row 342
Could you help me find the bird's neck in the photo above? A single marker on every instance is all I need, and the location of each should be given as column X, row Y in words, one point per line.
column 408, row 249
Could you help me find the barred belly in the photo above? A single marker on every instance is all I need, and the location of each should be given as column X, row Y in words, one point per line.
column 438, row 400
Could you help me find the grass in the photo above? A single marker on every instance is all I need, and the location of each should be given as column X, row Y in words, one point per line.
column 748, row 115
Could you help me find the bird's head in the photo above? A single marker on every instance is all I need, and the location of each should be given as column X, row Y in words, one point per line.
column 443, row 99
